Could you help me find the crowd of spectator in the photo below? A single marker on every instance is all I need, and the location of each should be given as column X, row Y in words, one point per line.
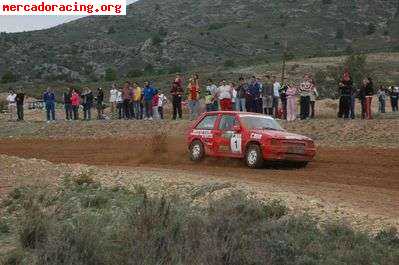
column 266, row 95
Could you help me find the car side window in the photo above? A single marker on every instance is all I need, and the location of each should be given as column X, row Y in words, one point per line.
column 207, row 123
column 227, row 123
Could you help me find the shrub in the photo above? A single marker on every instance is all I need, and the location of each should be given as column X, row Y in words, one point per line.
column 8, row 77
column 229, row 63
column 156, row 39
column 134, row 228
column 110, row 74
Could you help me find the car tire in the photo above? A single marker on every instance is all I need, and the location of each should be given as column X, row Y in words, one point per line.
column 254, row 157
column 197, row 151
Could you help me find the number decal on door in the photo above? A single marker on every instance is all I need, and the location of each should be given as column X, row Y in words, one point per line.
column 235, row 143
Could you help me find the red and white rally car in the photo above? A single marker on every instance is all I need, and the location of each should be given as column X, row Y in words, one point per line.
column 254, row 137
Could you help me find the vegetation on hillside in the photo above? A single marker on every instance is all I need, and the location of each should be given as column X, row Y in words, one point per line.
column 82, row 222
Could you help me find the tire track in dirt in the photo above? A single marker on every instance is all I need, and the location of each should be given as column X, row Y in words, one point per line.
column 368, row 179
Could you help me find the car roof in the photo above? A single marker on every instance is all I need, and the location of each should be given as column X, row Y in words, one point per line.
column 241, row 113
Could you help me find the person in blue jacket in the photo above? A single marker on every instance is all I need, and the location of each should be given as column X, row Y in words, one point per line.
column 49, row 102
column 254, row 95
column 148, row 93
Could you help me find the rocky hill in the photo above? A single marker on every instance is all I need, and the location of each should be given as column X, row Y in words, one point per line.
column 183, row 34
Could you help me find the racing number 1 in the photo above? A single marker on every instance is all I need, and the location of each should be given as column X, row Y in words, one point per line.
column 235, row 143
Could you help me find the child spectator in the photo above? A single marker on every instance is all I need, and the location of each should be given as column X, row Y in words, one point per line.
column 382, row 97
column 209, row 101
column 162, row 100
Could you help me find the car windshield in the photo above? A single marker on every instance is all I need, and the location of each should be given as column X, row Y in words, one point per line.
column 260, row 122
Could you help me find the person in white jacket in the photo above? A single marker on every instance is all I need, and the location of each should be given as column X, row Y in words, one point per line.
column 113, row 99
column 12, row 105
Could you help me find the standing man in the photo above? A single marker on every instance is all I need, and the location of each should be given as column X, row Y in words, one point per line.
column 241, row 91
column 127, row 98
column 225, row 93
column 283, row 98
column 253, row 95
column 19, row 100
column 49, row 102
column 136, row 101
column 100, row 103
column 67, row 98
column 211, row 88
column 276, row 95
column 11, row 104
column 193, row 97
column 267, row 97
column 148, row 93
column 177, row 93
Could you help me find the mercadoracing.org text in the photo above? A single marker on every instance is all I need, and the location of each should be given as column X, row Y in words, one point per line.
column 62, row 7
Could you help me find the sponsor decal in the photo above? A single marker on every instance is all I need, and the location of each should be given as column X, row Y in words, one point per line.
column 256, row 136
column 202, row 133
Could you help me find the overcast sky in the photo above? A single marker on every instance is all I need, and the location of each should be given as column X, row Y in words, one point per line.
column 27, row 23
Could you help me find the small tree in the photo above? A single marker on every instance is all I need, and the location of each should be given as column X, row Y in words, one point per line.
column 110, row 74
column 339, row 34
column 371, row 28
column 8, row 77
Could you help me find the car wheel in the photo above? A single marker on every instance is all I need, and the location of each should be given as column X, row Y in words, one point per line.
column 253, row 156
column 196, row 151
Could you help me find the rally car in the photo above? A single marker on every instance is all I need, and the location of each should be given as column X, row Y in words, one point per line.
column 250, row 136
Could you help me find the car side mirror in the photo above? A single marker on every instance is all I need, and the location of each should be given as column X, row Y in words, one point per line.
column 237, row 128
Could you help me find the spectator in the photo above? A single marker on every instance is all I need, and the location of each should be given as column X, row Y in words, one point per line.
column 382, row 97
column 67, row 99
column 88, row 99
column 193, row 98
column 100, row 103
column 113, row 93
column 394, row 96
column 178, row 80
column 162, row 101
column 283, row 98
column 313, row 96
column 209, row 101
column 276, row 95
column 127, row 99
column 176, row 92
column 291, row 102
column 305, row 90
column 259, row 102
column 75, row 102
column 136, row 101
column 253, row 95
column 148, row 93
column 241, row 91
column 369, row 97
column 267, row 97
column 362, row 97
column 119, row 105
column 212, row 89
column 49, row 101
column 11, row 104
column 19, row 100
column 234, row 100
column 225, row 94
column 155, row 103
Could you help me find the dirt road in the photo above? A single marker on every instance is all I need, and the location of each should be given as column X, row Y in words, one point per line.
column 367, row 179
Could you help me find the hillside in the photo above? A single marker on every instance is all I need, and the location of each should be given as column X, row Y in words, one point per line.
column 173, row 34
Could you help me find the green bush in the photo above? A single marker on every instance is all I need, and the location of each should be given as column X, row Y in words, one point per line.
column 8, row 77
column 130, row 227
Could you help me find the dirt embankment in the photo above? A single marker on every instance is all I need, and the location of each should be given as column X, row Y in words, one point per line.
column 364, row 178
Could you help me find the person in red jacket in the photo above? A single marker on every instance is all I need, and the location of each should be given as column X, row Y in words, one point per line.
column 75, row 102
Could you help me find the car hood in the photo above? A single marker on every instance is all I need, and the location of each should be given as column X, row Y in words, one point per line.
column 282, row 135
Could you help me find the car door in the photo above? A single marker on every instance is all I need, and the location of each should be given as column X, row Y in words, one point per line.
column 204, row 130
column 228, row 142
